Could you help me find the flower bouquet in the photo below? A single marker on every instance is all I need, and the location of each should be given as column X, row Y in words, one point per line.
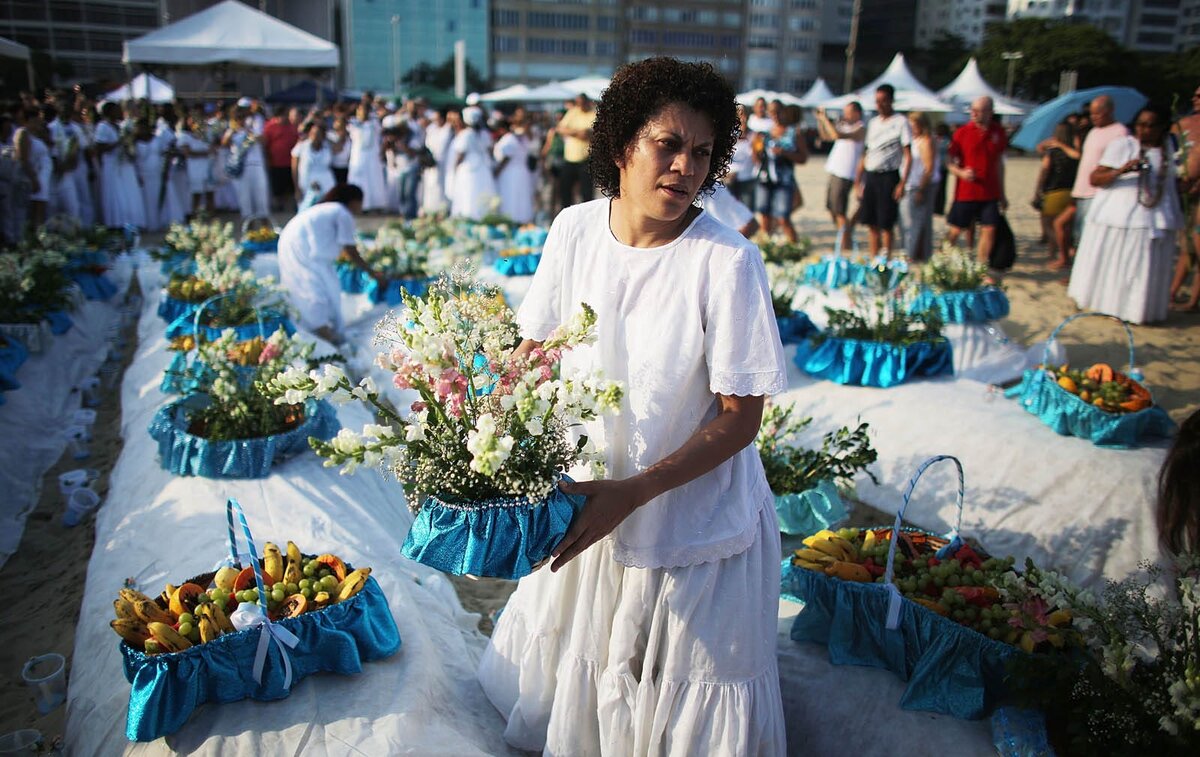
column 805, row 481
column 217, row 271
column 489, row 437
column 1110, row 408
column 406, row 267
column 87, row 253
column 782, row 252
column 226, row 427
column 34, row 295
column 249, row 630
column 941, row 614
column 185, row 244
column 880, row 342
column 784, row 280
column 956, row 284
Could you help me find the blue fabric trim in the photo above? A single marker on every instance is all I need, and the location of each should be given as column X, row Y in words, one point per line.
column 969, row 306
column 170, row 309
column 186, row 455
column 809, row 511
column 488, row 539
column 796, row 327
column 167, row 688
column 531, row 237
column 12, row 356
column 851, row 361
column 253, row 248
column 355, row 280
column 85, row 258
column 95, row 286
column 949, row 668
column 185, row 325
column 60, row 322
column 182, row 376
column 518, row 265
column 835, row 271
column 1069, row 415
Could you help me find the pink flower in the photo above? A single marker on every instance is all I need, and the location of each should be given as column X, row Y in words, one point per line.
column 454, row 405
column 451, row 382
column 419, row 406
column 269, row 353
column 403, row 377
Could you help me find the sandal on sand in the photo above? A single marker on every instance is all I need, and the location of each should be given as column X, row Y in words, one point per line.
column 1058, row 265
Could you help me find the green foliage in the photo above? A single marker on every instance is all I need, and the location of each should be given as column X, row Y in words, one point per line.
column 897, row 328
column 942, row 60
column 792, row 469
column 1051, row 47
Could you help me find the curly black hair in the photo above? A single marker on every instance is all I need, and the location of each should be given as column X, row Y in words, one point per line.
column 640, row 90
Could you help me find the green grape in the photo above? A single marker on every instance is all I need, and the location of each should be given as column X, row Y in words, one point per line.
column 194, row 636
column 186, row 619
column 305, row 583
column 324, row 572
column 185, row 629
column 939, row 582
column 309, row 570
column 329, row 582
column 306, row 592
column 953, row 580
column 278, row 595
column 292, row 588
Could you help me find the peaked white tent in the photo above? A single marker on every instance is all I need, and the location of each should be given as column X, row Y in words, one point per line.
column 911, row 94
column 143, row 86
column 748, row 98
column 818, row 93
column 514, row 93
column 230, row 32
column 592, row 86
column 970, row 84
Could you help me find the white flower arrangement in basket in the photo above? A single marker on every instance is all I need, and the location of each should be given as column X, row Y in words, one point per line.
column 488, row 425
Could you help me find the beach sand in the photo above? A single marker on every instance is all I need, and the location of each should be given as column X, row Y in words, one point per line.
column 50, row 566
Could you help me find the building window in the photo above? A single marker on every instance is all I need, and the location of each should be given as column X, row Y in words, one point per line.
column 801, row 24
column 688, row 39
column 545, row 46
column 605, row 49
column 501, row 44
column 1156, row 20
column 765, row 20
column 764, row 3
column 761, row 42
column 799, row 85
column 538, row 20
column 799, row 44
column 730, row 41
column 506, row 18
column 606, row 23
column 643, row 13
column 1155, row 38
column 729, row 18
column 707, row 18
column 806, row 5
column 643, row 36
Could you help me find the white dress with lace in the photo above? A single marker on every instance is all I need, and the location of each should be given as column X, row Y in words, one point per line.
column 660, row 639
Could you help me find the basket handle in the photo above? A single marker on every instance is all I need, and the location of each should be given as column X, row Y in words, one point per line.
column 893, row 616
column 252, row 219
column 271, row 631
column 262, row 332
column 1061, row 326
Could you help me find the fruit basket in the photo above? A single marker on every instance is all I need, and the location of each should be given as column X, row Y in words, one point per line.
column 267, row 320
column 1105, row 406
column 795, row 327
column 181, row 296
column 923, row 606
column 250, row 630
column 259, row 235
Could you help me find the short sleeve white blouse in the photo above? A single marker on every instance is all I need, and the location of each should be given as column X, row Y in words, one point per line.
column 1120, row 203
column 677, row 325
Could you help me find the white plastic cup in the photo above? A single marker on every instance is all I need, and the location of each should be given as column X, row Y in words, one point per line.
column 85, row 418
column 81, row 502
column 75, row 479
column 47, row 676
column 24, row 741
column 90, row 389
column 77, row 437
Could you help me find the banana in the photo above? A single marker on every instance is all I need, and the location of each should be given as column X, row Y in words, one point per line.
column 321, row 599
column 292, row 573
column 818, row 567
column 132, row 595
column 821, row 535
column 829, row 547
column 813, row 556
column 272, row 562
column 133, row 631
column 153, row 647
column 353, row 584
column 168, row 593
column 149, row 611
column 217, row 614
column 848, row 571
column 868, row 540
column 168, row 638
column 124, row 609
column 208, row 630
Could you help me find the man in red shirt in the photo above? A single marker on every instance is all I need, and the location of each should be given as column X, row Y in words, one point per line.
column 279, row 136
column 977, row 158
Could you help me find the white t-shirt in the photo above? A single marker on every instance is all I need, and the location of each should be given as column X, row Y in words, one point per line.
column 760, row 124
column 726, row 208
column 314, row 166
column 741, row 165
column 677, row 325
column 845, row 153
column 1118, row 204
column 308, row 246
column 886, row 138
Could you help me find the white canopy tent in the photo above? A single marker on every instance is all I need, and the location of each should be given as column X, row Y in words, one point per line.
column 515, row 93
column 969, row 85
column 232, row 33
column 911, row 94
column 818, row 93
column 11, row 49
column 592, row 86
column 748, row 98
column 143, row 87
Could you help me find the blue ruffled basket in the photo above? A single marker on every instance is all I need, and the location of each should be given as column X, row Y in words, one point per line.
column 811, row 510
column 968, row 306
column 355, row 280
column 836, row 271
column 1069, row 415
column 170, row 309
column 795, row 327
column 949, row 668
column 862, row 363
column 535, row 238
column 12, row 356
column 518, row 265
column 254, row 248
column 95, row 286
column 167, row 688
column 185, row 454
column 60, row 322
column 268, row 322
column 496, row 538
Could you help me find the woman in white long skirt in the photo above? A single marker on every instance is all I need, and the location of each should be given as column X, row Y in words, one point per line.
column 34, row 156
column 653, row 632
column 224, row 188
column 81, row 133
column 254, row 199
column 474, row 187
column 120, row 193
column 309, row 245
column 151, row 157
column 1125, row 258
column 514, row 182
column 193, row 142
column 312, row 165
column 366, row 159
column 433, row 180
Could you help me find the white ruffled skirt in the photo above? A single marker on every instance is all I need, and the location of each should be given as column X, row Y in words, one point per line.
column 606, row 659
column 1123, row 272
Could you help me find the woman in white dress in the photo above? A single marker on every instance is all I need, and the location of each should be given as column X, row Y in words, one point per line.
column 120, row 193
column 193, row 143
column 339, row 144
column 151, row 158
column 312, row 165
column 514, row 182
column 34, row 155
column 309, row 245
column 433, row 180
column 81, row 132
column 474, row 186
column 653, row 632
column 1125, row 257
column 366, row 159
column 254, row 199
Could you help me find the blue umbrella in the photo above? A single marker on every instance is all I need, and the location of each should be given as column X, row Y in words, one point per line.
column 1041, row 121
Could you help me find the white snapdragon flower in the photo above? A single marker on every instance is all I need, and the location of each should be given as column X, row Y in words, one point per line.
column 347, row 442
column 488, row 452
column 365, row 388
column 378, row 431
column 327, row 379
column 292, row 397
column 534, row 427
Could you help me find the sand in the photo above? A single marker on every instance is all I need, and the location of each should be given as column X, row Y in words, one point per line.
column 43, row 581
